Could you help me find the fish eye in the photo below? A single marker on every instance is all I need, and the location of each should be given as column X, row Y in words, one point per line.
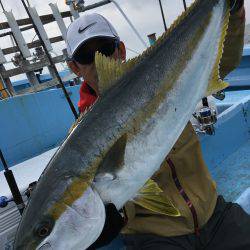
column 43, row 229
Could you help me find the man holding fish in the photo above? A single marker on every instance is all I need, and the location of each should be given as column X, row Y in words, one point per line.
column 147, row 222
column 178, row 208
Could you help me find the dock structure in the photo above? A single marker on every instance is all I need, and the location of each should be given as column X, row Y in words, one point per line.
column 25, row 62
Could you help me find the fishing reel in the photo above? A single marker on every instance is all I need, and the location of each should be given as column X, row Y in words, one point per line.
column 206, row 117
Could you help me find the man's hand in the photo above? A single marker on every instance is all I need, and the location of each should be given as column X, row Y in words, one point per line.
column 113, row 224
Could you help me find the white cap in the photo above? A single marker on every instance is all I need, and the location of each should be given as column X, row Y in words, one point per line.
column 87, row 27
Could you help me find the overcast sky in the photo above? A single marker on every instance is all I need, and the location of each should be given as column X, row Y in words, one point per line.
column 144, row 14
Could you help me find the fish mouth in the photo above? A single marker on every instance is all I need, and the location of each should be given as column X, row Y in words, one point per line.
column 45, row 246
column 79, row 225
column 24, row 246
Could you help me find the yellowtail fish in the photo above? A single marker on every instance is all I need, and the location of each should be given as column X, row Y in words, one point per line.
column 121, row 142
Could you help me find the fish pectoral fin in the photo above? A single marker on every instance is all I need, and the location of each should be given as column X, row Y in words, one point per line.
column 152, row 198
column 114, row 158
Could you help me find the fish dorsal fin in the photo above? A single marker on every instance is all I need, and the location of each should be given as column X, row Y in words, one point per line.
column 151, row 197
column 169, row 31
column 110, row 70
column 114, row 158
column 216, row 84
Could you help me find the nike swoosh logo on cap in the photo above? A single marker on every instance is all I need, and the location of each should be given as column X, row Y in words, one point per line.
column 80, row 30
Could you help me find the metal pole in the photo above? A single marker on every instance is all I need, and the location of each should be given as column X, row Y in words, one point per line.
column 185, row 5
column 17, row 197
column 51, row 63
column 129, row 22
column 2, row 5
column 94, row 5
column 7, row 80
column 163, row 17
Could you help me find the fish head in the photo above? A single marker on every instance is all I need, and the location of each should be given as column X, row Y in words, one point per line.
column 61, row 225
column 65, row 210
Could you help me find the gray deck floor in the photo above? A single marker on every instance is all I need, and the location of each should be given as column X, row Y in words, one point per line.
column 233, row 174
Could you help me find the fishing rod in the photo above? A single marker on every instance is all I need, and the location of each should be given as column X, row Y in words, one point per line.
column 163, row 16
column 51, row 62
column 185, row 5
column 1, row 4
column 17, row 197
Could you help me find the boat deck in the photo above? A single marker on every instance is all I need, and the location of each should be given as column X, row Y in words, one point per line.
column 226, row 154
column 233, row 174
